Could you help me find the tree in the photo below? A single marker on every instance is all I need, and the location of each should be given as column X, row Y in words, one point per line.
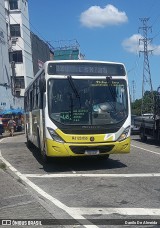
column 148, row 104
column 136, row 107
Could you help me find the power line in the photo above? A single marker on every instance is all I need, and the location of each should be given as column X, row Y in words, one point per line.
column 133, row 90
column 22, row 39
column 22, row 49
column 24, row 30
column 20, row 36
column 47, row 42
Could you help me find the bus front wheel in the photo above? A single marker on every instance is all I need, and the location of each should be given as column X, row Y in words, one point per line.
column 29, row 143
column 45, row 158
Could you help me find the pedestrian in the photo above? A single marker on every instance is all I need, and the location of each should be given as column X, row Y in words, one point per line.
column 11, row 126
column 19, row 124
column 1, row 127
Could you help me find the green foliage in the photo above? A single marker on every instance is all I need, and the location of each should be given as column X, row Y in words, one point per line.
column 136, row 107
column 148, row 104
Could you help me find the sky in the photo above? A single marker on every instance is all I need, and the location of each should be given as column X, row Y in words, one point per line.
column 105, row 30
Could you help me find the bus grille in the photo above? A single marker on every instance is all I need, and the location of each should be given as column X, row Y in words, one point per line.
column 82, row 149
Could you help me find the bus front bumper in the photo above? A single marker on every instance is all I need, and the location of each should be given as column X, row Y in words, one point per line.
column 56, row 149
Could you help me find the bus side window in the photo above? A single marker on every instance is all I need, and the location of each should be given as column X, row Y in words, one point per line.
column 41, row 90
column 39, row 96
column 40, row 100
column 35, row 95
column 37, row 91
column 25, row 102
column 31, row 101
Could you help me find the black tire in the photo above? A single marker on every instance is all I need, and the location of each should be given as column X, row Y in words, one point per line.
column 29, row 144
column 45, row 159
column 38, row 140
column 143, row 137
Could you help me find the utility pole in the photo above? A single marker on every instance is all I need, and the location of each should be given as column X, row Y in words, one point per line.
column 146, row 67
column 13, row 78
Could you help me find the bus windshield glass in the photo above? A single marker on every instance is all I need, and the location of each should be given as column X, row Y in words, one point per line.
column 87, row 101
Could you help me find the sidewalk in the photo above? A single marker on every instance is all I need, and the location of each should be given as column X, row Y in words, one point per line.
column 7, row 134
column 18, row 202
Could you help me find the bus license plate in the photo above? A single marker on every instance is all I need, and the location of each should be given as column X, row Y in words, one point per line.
column 91, row 152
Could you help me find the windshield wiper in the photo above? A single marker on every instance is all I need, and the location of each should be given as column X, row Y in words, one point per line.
column 74, row 89
column 108, row 79
column 113, row 104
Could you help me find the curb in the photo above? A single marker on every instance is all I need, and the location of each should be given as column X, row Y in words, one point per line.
column 7, row 134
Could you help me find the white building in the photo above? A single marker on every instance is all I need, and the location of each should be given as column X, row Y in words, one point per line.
column 6, row 98
column 20, row 52
column 16, row 65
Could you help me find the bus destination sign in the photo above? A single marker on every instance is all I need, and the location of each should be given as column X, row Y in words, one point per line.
column 86, row 69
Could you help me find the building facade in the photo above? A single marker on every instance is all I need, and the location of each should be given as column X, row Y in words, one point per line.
column 40, row 52
column 22, row 53
column 6, row 98
column 16, row 67
column 68, row 50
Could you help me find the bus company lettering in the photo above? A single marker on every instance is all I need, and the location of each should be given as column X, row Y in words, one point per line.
column 79, row 138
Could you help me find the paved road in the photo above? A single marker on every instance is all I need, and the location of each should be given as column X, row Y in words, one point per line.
column 123, row 187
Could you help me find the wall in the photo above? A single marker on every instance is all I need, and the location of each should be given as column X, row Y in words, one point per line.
column 40, row 52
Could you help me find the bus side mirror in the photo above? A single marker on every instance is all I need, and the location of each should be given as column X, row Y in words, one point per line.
column 42, row 85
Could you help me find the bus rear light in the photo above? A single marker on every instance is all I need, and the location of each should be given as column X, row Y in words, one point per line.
column 54, row 135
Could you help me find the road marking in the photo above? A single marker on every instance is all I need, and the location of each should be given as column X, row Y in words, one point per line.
column 141, row 148
column 77, row 213
column 56, row 202
column 121, row 211
column 17, row 204
column 1, row 140
column 92, row 175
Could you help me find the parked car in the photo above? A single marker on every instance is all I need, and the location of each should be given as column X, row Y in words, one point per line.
column 1, row 127
column 148, row 115
column 134, row 129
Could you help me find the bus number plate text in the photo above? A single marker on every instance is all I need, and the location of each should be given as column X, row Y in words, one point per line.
column 91, row 152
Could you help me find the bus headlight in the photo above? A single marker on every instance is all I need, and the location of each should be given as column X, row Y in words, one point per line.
column 54, row 135
column 125, row 134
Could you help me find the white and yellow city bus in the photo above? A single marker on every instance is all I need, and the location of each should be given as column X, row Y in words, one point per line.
column 79, row 108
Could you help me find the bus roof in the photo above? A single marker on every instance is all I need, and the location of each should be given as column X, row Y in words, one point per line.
column 81, row 61
column 69, row 61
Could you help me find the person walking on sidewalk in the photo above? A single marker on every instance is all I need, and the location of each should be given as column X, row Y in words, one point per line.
column 11, row 125
column 1, row 127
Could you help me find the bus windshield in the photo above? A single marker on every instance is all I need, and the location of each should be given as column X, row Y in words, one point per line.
column 73, row 101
